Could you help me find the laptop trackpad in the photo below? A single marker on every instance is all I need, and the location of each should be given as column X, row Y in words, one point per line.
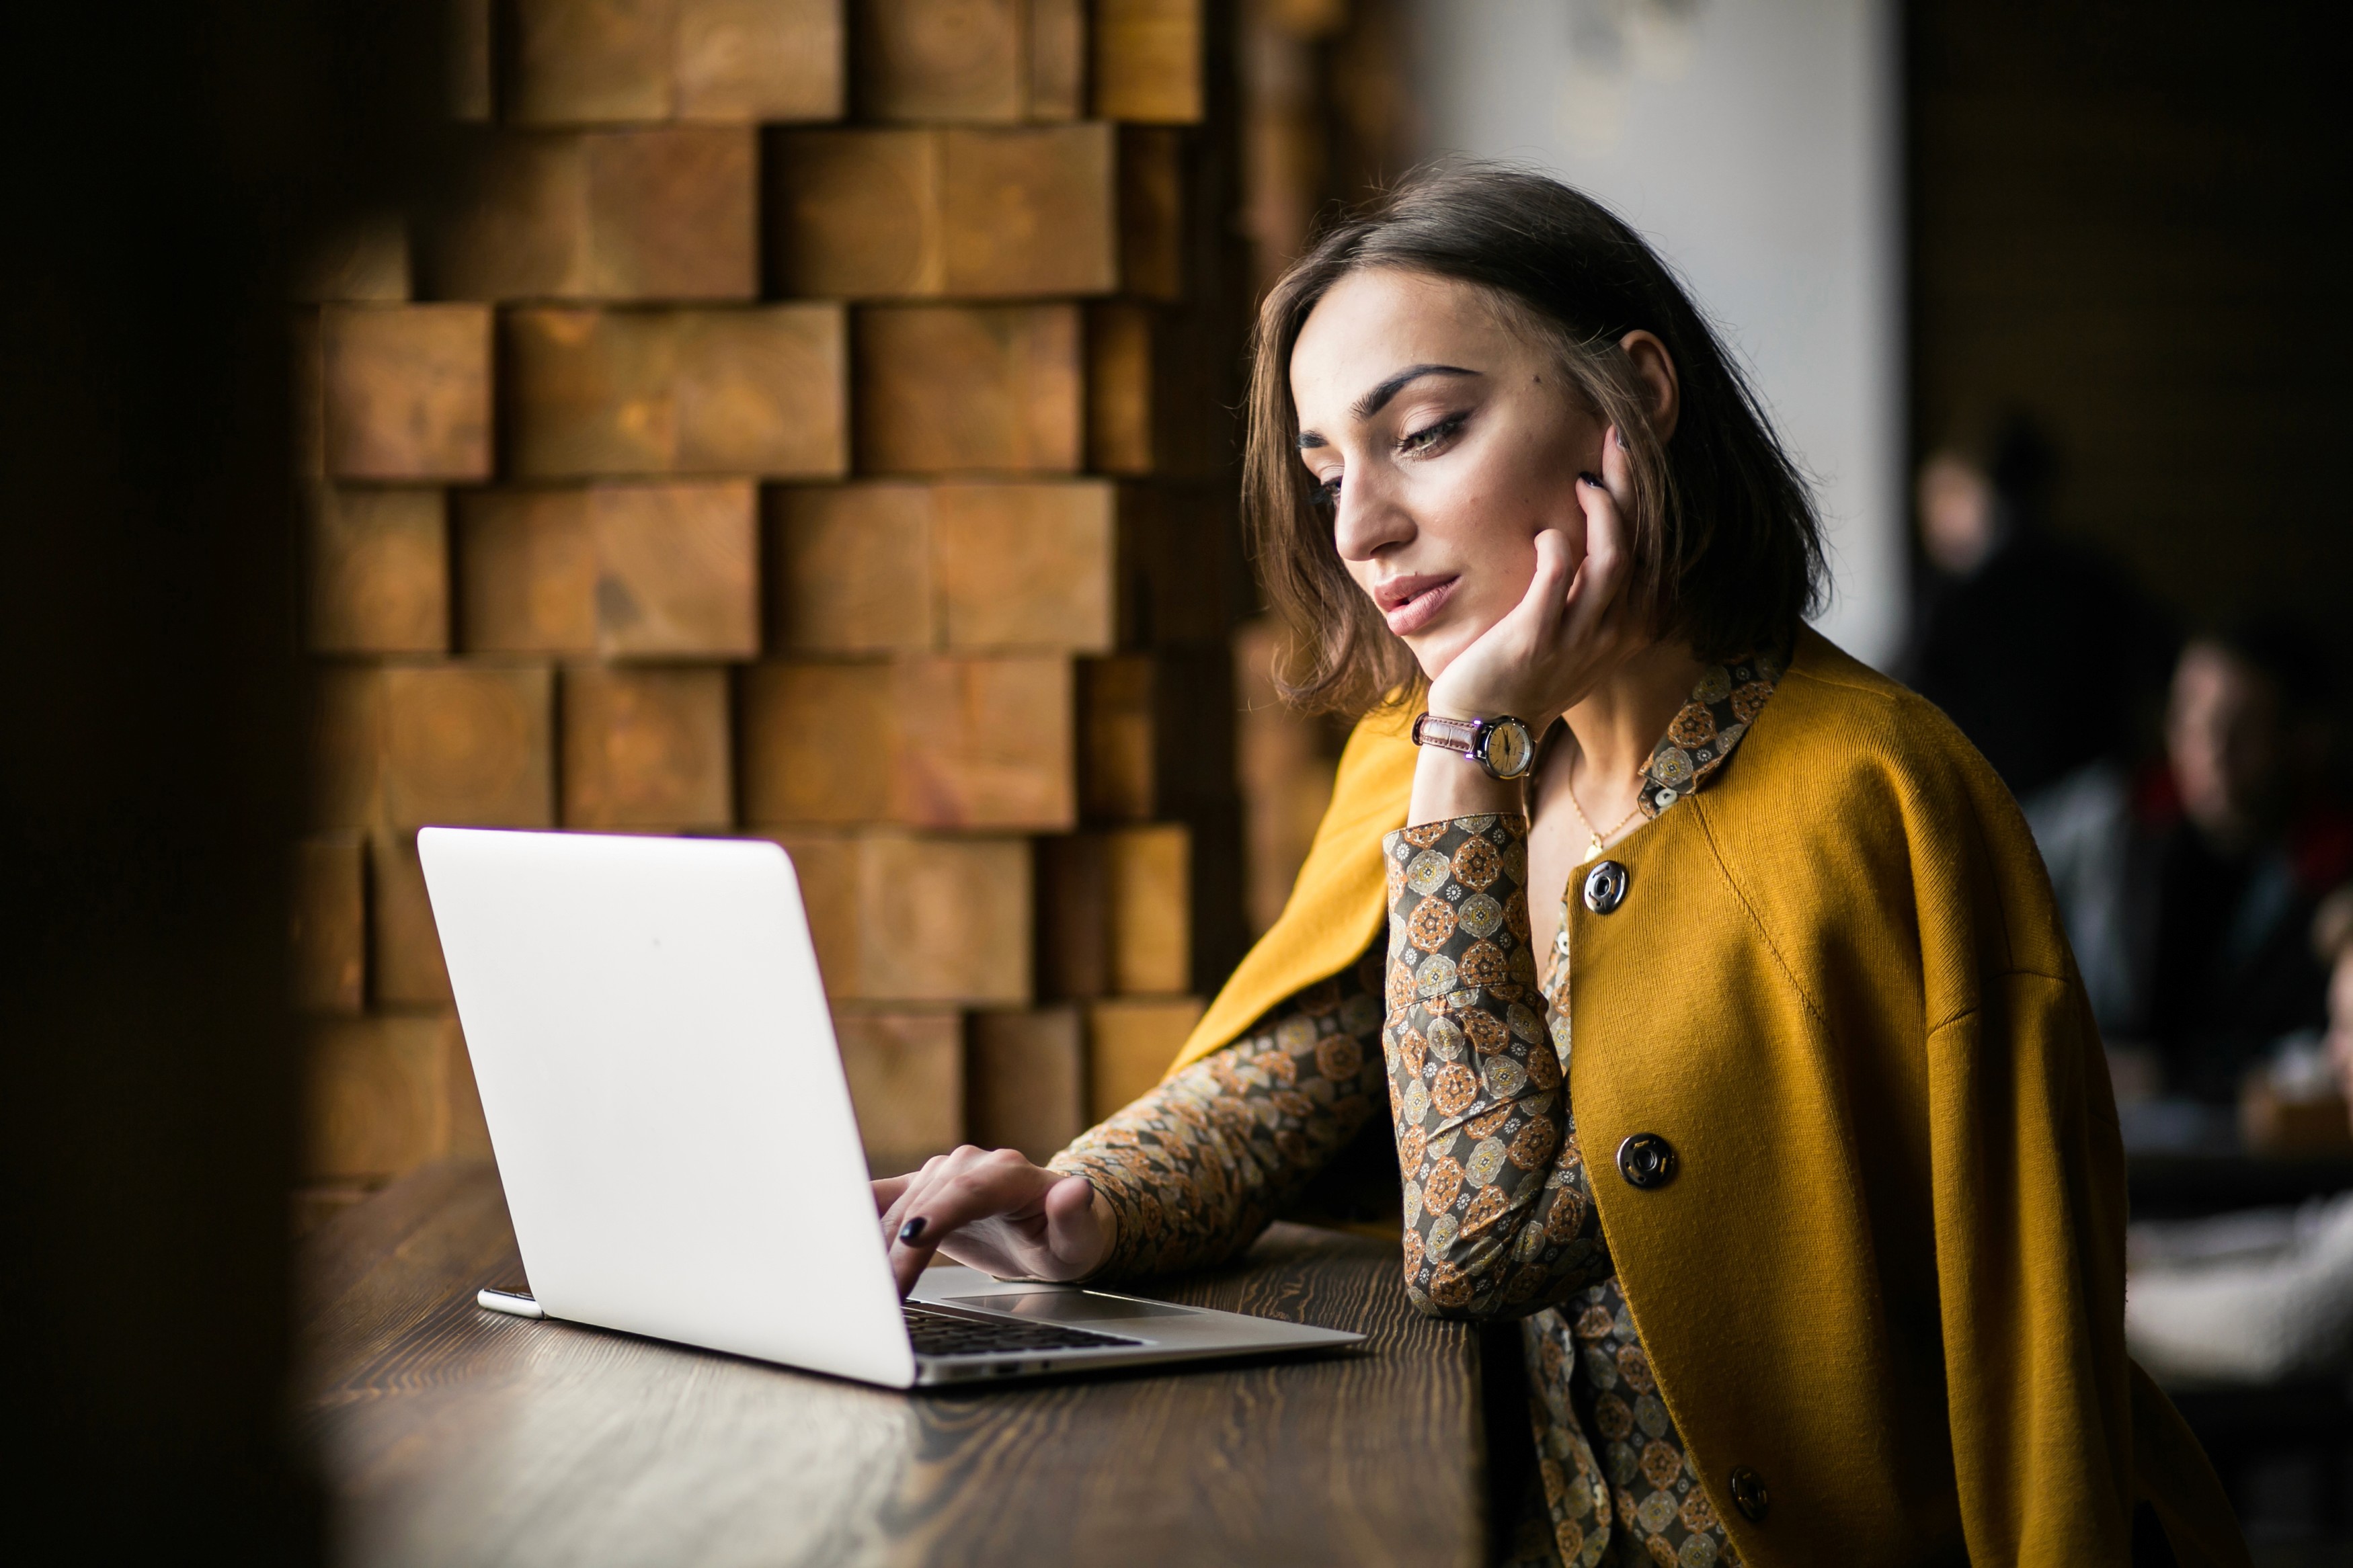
column 1067, row 1306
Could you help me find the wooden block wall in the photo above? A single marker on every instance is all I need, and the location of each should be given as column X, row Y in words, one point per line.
column 803, row 419
column 1326, row 112
column 1026, row 1087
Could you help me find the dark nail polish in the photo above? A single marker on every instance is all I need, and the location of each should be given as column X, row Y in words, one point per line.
column 1593, row 479
column 911, row 1230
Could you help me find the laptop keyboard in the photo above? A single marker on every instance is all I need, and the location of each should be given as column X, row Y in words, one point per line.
column 949, row 1333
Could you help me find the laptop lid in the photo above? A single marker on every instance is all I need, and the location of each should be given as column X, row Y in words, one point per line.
column 664, row 1093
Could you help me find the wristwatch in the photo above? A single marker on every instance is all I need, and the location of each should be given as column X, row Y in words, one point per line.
column 1501, row 745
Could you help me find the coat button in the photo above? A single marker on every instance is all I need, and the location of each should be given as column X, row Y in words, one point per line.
column 1748, row 1494
column 1646, row 1161
column 1605, row 887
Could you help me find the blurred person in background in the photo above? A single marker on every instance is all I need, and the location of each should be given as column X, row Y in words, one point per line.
column 2188, row 889
column 2261, row 1295
column 2016, row 626
column 2243, row 853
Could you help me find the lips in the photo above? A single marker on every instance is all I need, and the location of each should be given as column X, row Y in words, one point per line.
column 1409, row 603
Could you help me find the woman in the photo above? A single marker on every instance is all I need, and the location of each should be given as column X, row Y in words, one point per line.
column 1815, row 1236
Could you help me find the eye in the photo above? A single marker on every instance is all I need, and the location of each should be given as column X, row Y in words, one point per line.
column 1430, row 437
column 1326, row 495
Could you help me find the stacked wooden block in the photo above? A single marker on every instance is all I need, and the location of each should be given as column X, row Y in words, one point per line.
column 804, row 422
column 1324, row 115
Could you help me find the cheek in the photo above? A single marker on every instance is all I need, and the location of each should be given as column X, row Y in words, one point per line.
column 1522, row 481
column 1492, row 522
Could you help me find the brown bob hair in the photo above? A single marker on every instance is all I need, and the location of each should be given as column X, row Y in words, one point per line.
column 1726, row 548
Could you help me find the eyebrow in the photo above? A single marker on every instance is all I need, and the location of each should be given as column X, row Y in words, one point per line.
column 1376, row 400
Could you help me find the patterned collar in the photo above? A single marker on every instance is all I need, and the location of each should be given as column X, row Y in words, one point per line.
column 1702, row 733
column 1722, row 705
column 1688, row 756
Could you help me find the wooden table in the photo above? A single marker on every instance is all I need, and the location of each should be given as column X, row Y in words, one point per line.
column 453, row 1435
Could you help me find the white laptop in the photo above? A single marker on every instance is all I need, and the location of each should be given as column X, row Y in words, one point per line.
column 666, row 1104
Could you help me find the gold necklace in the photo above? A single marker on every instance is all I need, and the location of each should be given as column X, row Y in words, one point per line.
column 1599, row 839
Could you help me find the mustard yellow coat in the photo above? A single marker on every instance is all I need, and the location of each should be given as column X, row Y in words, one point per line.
column 1888, row 1274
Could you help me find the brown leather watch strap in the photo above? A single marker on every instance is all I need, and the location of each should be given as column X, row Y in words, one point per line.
column 1429, row 730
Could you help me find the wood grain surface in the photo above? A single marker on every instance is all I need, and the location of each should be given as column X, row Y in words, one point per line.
column 329, row 966
column 1147, row 60
column 655, row 213
column 379, row 570
column 647, row 749
column 940, row 59
column 969, row 389
column 573, row 62
column 1026, row 1078
column 723, row 391
column 1131, row 1040
column 900, row 917
column 451, row 1436
column 405, row 390
column 906, row 1071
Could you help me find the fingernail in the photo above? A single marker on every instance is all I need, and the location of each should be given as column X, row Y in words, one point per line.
column 912, row 1229
column 1618, row 433
column 1593, row 479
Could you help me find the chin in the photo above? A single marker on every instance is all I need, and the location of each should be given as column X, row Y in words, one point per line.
column 1435, row 653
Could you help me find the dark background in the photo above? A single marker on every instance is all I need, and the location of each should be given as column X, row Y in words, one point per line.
column 2133, row 221
column 162, row 162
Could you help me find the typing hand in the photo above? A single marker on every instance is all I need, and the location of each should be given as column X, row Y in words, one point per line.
column 994, row 1211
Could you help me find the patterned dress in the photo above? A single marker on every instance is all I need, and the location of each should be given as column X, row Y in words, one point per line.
column 1499, row 1216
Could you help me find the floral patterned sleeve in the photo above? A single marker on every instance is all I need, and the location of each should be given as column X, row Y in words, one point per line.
column 1499, row 1217
column 1196, row 1169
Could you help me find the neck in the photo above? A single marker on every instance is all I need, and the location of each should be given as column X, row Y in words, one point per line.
column 1620, row 720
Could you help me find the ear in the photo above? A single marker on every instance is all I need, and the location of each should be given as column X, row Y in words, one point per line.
column 1655, row 369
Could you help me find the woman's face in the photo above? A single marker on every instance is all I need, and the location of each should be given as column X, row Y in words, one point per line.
column 1445, row 442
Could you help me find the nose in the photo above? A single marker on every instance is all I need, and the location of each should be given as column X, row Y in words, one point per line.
column 1369, row 518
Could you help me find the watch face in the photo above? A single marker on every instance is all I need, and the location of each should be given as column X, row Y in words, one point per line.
column 1507, row 749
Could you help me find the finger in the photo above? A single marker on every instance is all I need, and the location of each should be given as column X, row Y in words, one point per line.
column 1548, row 594
column 909, row 1192
column 887, row 1190
column 1601, row 574
column 904, row 1228
column 1615, row 492
column 975, row 1184
column 1618, row 483
column 1073, row 1234
column 1530, row 624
